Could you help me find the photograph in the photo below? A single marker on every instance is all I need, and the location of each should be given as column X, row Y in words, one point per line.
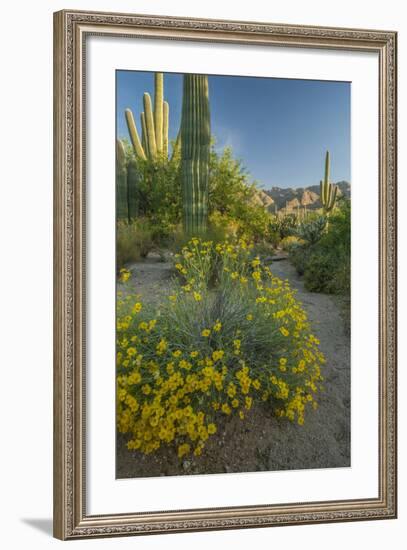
column 233, row 274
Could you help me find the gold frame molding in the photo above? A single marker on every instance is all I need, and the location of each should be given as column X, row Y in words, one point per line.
column 70, row 31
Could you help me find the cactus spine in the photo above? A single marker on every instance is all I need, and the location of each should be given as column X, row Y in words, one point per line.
column 195, row 146
column 328, row 191
column 154, row 124
column 122, row 211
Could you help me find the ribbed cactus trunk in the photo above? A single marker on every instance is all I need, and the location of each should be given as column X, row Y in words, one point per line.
column 132, row 189
column 122, row 212
column 195, row 148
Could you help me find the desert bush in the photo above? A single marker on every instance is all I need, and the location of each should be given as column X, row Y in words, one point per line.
column 311, row 230
column 212, row 350
column 324, row 258
column 282, row 226
column 159, row 191
column 136, row 238
column 232, row 207
column 290, row 241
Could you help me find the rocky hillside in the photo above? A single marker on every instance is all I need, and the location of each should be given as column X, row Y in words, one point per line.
column 291, row 198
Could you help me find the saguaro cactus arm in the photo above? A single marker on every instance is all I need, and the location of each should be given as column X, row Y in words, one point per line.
column 152, row 146
column 134, row 136
column 144, row 133
column 158, row 109
column 166, row 113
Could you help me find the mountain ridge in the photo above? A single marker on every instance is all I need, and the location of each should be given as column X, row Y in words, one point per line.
column 290, row 198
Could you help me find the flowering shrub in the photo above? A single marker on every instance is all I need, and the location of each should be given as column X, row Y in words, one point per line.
column 230, row 334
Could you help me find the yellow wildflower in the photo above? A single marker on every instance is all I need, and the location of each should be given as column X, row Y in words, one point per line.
column 137, row 307
column 216, row 355
column 183, row 450
column 124, row 275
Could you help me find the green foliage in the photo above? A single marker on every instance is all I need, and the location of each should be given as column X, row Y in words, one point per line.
column 311, row 230
column 290, row 242
column 232, row 207
column 195, row 148
column 159, row 191
column 282, row 226
column 133, row 241
column 325, row 263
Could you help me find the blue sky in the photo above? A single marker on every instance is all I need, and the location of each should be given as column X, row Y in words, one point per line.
column 279, row 128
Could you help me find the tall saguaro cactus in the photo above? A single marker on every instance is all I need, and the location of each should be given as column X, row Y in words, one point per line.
column 328, row 191
column 195, row 148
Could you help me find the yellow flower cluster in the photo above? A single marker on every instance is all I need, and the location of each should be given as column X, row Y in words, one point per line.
column 179, row 370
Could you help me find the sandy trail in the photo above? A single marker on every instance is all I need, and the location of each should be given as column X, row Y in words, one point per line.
column 263, row 442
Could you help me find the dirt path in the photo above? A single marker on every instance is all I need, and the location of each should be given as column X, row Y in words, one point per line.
column 151, row 278
column 263, row 442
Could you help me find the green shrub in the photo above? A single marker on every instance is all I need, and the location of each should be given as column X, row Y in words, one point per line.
column 311, row 230
column 290, row 242
column 324, row 258
column 232, row 205
column 319, row 272
column 282, row 226
column 299, row 257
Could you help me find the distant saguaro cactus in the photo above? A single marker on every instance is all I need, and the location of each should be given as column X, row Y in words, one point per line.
column 195, row 148
column 328, row 191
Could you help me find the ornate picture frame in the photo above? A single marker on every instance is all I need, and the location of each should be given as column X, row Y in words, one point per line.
column 71, row 31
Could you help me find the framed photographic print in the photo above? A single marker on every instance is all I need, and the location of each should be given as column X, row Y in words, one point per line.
column 225, row 274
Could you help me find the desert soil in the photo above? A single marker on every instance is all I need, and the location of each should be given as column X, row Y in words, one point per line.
column 262, row 442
